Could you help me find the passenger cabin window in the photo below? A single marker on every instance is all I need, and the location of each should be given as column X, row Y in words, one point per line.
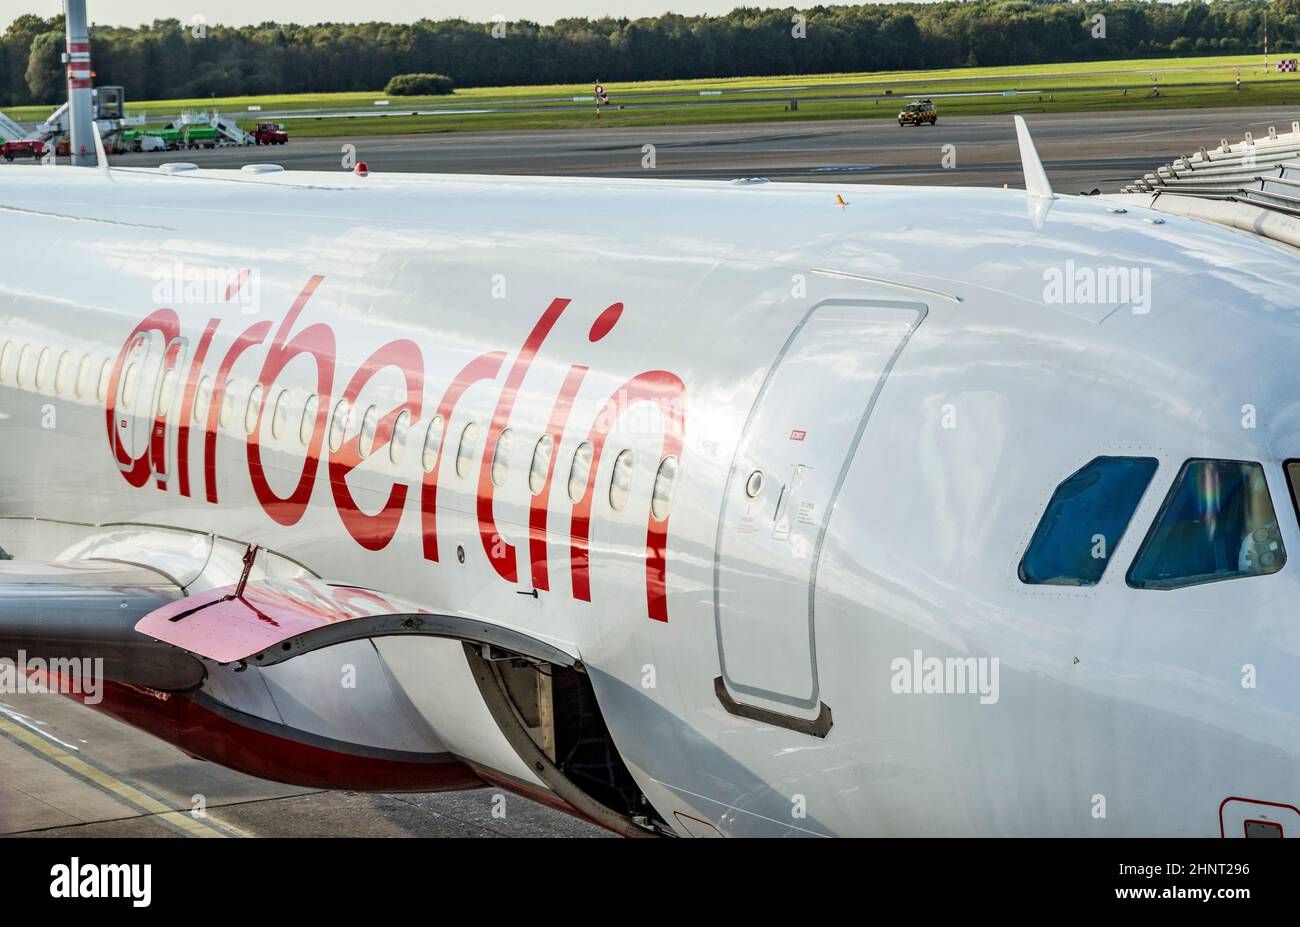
column 227, row 406
column 253, row 409
column 468, row 447
column 620, row 480
column 280, row 414
column 61, row 373
column 202, row 399
column 167, row 392
column 501, row 457
column 397, row 443
column 1084, row 522
column 579, row 471
column 1216, row 523
column 105, row 374
column 369, row 428
column 83, row 376
column 661, row 499
column 310, row 411
column 432, row 444
column 541, row 465
column 24, row 361
column 42, row 369
column 130, row 380
column 339, row 424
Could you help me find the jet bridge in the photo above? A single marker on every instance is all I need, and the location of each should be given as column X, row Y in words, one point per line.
column 1252, row 185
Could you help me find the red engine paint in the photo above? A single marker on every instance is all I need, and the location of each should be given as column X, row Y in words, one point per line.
column 202, row 733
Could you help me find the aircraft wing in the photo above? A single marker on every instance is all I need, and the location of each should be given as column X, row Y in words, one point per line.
column 87, row 609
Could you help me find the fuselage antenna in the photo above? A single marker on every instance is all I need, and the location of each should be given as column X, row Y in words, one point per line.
column 1036, row 182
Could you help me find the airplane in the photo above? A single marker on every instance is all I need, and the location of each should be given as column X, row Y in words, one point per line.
column 693, row 509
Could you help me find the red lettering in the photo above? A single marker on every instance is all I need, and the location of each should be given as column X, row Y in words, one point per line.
column 187, row 407
column 135, row 470
column 315, row 340
column 255, row 334
column 158, row 440
column 541, row 504
column 502, row 555
column 374, row 532
column 669, row 393
column 483, row 367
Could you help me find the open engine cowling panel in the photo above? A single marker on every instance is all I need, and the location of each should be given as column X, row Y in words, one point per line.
column 537, row 693
column 266, row 622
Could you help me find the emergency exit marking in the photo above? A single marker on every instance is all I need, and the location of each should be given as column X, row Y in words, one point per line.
column 798, row 435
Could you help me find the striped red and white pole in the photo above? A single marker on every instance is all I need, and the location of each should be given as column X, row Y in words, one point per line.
column 81, row 116
column 79, row 66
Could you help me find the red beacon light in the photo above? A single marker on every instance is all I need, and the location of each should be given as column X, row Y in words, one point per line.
column 361, row 170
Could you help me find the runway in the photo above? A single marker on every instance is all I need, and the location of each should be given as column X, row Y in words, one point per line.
column 1081, row 151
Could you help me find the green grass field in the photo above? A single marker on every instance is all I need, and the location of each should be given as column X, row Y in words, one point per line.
column 1069, row 87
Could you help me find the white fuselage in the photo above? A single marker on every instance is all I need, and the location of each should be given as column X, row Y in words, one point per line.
column 890, row 368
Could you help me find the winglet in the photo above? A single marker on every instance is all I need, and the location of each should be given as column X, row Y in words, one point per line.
column 1036, row 183
column 102, row 156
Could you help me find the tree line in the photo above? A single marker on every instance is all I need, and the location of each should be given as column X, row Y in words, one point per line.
column 172, row 59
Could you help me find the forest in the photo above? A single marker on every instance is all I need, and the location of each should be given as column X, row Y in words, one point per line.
column 176, row 59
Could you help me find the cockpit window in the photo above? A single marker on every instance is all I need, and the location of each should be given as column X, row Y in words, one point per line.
column 1293, row 481
column 1085, row 520
column 1217, row 523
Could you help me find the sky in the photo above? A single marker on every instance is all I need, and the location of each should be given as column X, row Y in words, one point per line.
column 244, row 12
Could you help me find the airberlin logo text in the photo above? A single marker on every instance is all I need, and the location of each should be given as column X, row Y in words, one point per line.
column 187, row 360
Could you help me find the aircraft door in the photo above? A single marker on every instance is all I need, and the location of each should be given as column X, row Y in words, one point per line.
column 794, row 452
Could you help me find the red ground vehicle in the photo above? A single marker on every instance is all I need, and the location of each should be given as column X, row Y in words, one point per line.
column 270, row 133
column 23, row 149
